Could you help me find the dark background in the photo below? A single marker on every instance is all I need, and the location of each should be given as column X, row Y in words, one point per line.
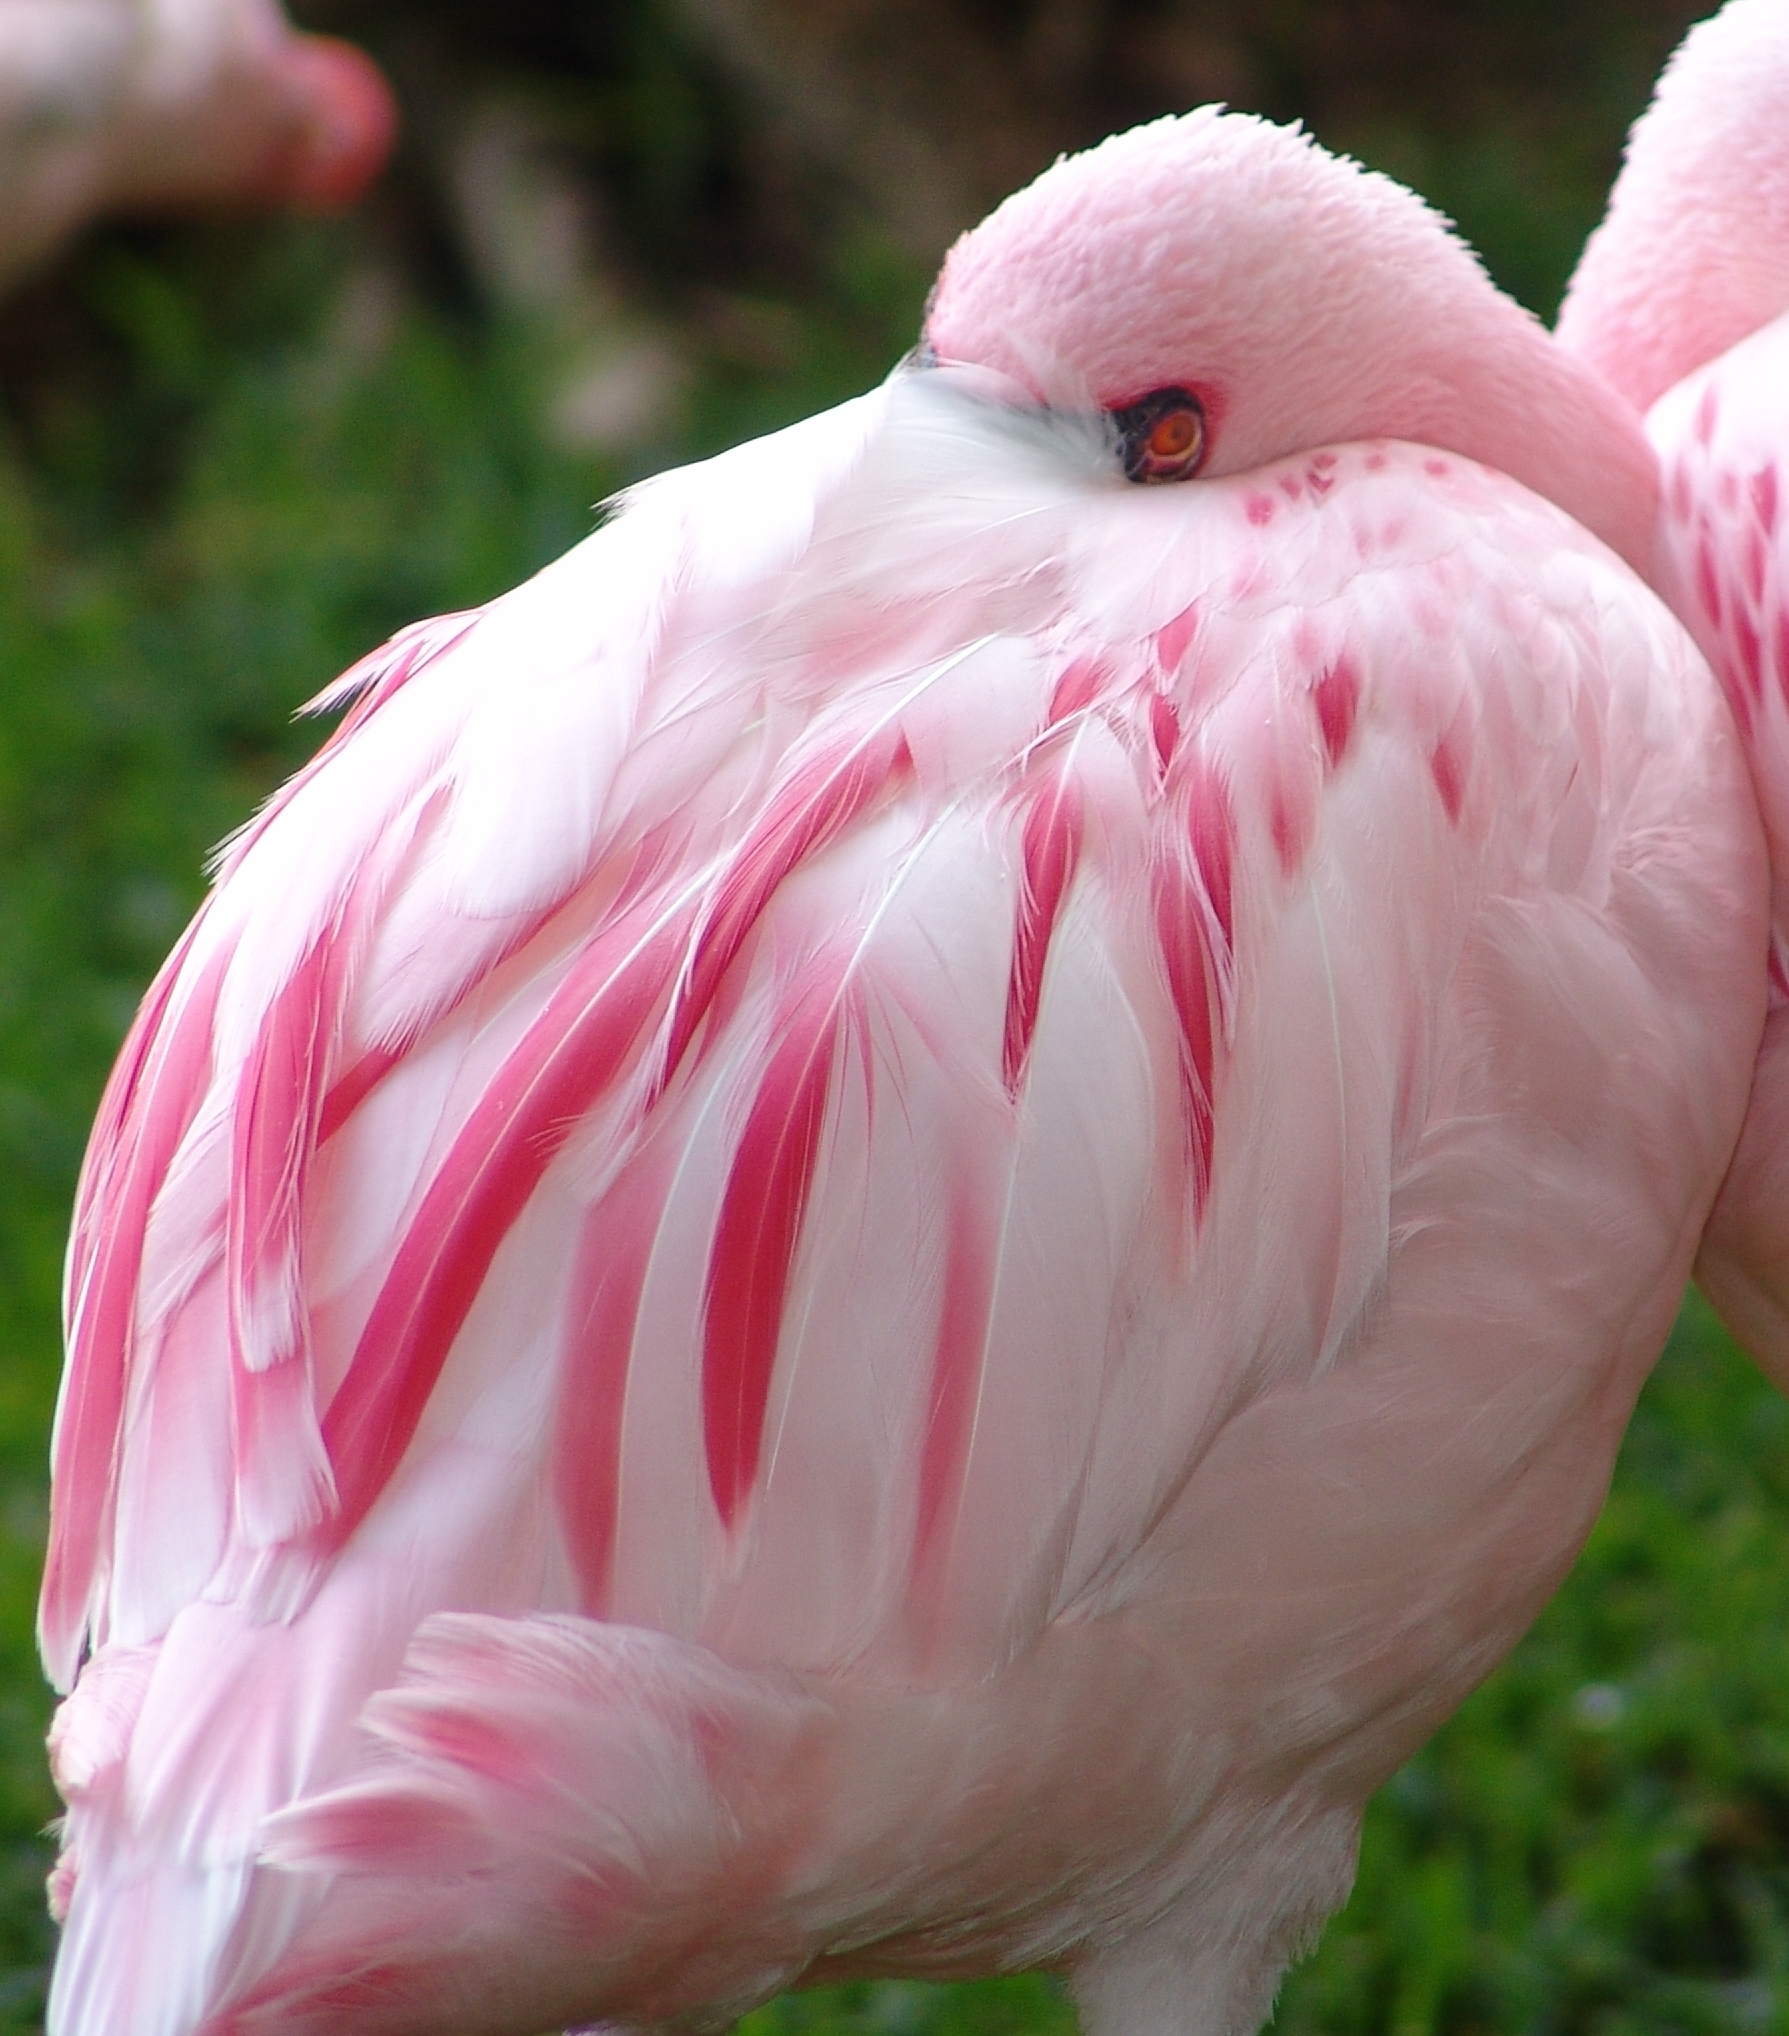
column 734, row 139
column 234, row 454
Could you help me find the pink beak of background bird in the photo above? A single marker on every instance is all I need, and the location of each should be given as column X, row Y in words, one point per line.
column 345, row 124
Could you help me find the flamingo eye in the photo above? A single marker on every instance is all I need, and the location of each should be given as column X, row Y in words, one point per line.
column 1162, row 438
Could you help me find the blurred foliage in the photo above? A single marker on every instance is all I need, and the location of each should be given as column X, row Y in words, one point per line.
column 231, row 458
column 729, row 136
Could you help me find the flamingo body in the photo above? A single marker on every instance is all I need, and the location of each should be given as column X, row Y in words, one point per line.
column 123, row 105
column 1723, row 439
column 1681, row 302
column 886, row 1230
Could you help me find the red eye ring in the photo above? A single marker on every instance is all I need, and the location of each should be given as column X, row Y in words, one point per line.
column 1162, row 438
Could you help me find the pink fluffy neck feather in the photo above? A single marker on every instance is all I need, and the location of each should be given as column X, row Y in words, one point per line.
column 1306, row 300
column 1694, row 253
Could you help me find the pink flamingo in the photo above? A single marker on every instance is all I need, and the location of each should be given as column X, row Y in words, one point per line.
column 1681, row 302
column 889, row 1227
column 114, row 106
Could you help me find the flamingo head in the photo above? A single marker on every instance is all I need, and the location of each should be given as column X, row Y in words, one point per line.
column 344, row 122
column 1229, row 293
column 1693, row 254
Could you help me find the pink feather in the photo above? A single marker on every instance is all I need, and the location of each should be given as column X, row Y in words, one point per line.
column 755, row 1238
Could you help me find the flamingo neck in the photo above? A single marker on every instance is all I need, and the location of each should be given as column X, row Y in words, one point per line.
column 1535, row 413
column 1693, row 254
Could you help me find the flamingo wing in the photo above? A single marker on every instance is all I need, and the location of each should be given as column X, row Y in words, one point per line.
column 910, row 1062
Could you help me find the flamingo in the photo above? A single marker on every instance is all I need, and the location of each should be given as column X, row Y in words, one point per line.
column 118, row 105
column 1681, row 302
column 889, row 1227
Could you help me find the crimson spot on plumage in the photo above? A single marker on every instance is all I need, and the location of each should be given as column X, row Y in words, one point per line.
column 1337, row 695
column 1708, row 586
column 1174, row 639
column 1757, row 565
column 1449, row 772
column 1750, row 651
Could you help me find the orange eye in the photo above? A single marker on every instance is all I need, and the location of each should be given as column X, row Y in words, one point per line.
column 1175, row 436
column 1162, row 438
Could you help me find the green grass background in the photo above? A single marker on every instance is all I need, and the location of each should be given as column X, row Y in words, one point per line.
column 231, row 492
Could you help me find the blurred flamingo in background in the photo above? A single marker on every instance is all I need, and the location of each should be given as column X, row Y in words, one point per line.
column 122, row 106
column 1681, row 302
column 889, row 1227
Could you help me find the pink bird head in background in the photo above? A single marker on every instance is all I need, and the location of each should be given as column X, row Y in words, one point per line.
column 107, row 106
